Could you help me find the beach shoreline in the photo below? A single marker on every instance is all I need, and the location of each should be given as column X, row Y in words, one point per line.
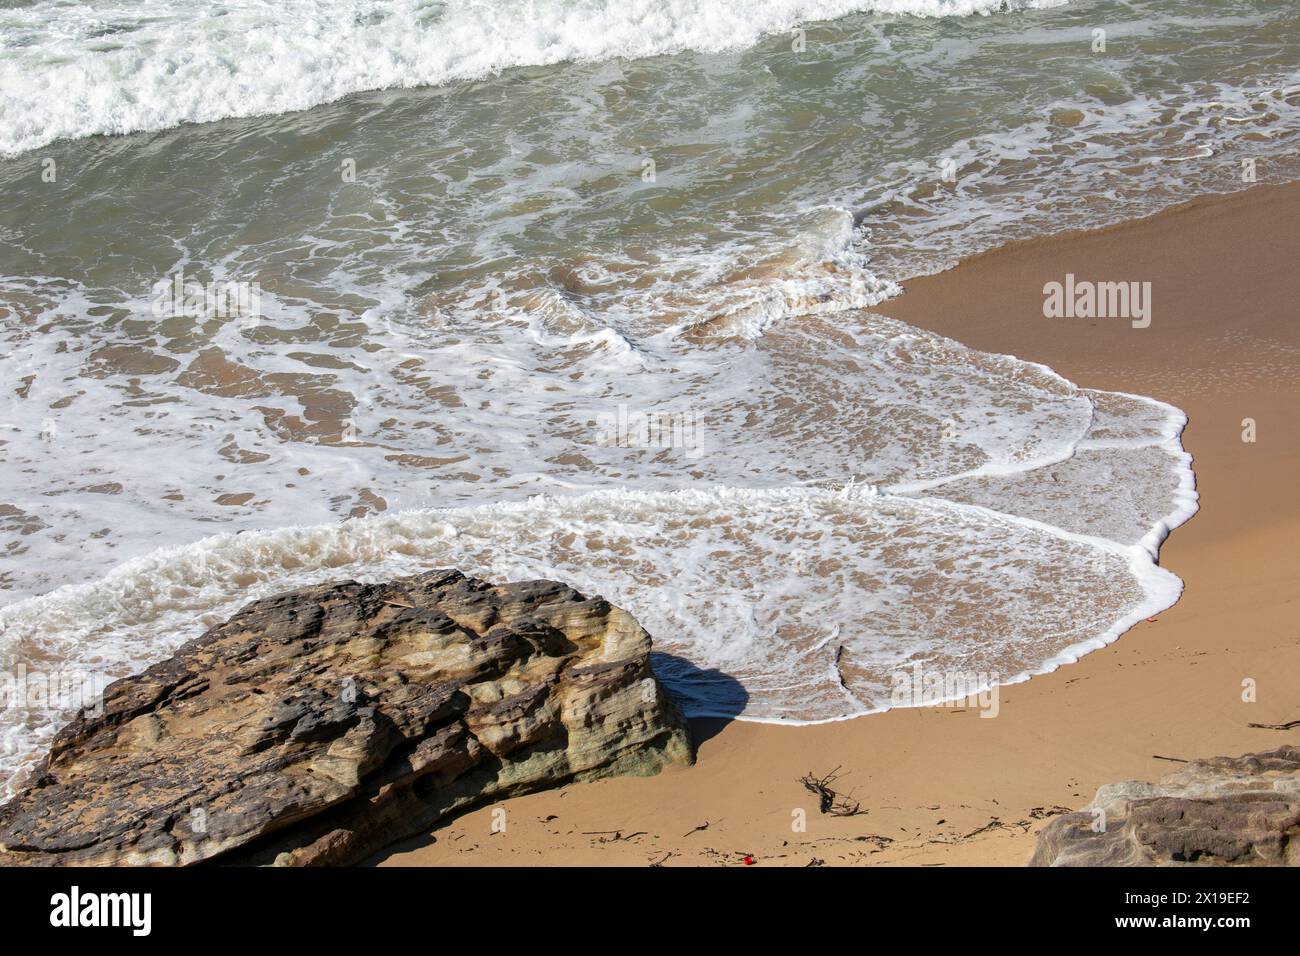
column 942, row 786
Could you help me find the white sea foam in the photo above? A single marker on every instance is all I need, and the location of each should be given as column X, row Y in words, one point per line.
column 791, row 601
column 895, row 578
column 73, row 70
column 778, row 584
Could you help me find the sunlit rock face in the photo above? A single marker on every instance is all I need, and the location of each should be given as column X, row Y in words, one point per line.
column 319, row 725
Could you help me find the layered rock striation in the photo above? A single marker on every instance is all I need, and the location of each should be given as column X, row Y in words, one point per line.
column 1235, row 811
column 317, row 726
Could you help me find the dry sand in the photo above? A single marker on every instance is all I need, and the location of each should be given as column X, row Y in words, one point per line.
column 944, row 786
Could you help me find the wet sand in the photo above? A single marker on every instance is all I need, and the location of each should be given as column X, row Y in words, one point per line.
column 945, row 786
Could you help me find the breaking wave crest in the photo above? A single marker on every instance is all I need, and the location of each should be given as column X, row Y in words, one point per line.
column 110, row 68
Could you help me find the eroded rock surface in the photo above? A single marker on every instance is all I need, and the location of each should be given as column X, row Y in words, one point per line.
column 319, row 725
column 1233, row 811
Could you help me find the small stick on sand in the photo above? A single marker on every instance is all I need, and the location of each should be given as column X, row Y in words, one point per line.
column 994, row 824
column 618, row 835
column 1287, row 726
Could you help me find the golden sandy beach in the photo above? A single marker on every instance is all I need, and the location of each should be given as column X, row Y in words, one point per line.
column 943, row 786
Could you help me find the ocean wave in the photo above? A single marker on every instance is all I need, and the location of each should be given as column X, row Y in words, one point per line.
column 76, row 70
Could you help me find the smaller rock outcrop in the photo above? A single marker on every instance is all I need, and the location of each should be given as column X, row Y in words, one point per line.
column 1233, row 811
column 320, row 725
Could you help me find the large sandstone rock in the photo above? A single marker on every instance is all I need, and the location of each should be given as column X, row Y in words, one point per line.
column 1225, row 811
column 317, row 726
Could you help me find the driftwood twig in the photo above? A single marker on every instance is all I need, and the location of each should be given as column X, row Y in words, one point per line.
column 1289, row 725
column 828, row 799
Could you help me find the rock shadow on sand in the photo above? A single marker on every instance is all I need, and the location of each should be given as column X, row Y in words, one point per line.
column 710, row 698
